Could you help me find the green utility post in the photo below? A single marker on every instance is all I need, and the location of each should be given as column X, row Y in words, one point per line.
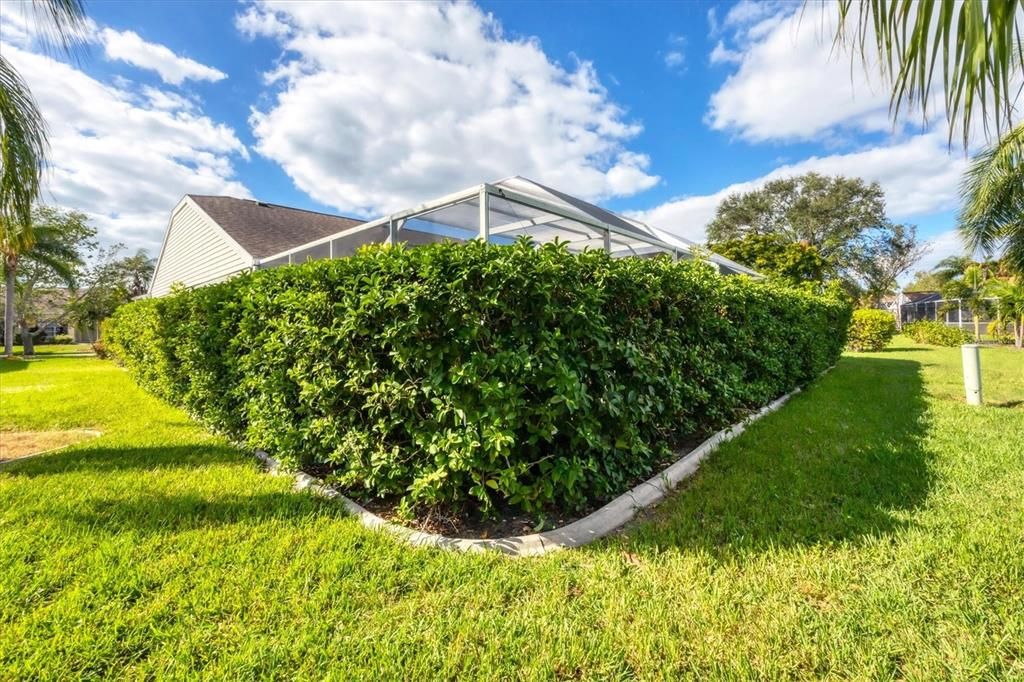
column 972, row 372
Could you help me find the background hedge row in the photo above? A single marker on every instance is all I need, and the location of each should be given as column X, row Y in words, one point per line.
column 474, row 375
column 936, row 333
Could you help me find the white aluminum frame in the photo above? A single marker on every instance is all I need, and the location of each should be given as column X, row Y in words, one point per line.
column 551, row 213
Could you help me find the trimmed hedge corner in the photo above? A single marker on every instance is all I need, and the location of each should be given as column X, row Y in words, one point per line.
column 459, row 373
column 870, row 330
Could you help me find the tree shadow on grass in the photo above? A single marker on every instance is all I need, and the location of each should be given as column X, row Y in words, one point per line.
column 841, row 461
column 8, row 365
column 101, row 458
column 113, row 505
column 160, row 513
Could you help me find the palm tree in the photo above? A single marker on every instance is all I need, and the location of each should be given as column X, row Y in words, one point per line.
column 978, row 45
column 1009, row 305
column 23, row 145
column 969, row 289
column 992, row 217
column 951, row 267
column 59, row 260
column 975, row 43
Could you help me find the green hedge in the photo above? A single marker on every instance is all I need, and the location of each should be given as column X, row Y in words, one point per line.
column 870, row 330
column 473, row 375
column 936, row 333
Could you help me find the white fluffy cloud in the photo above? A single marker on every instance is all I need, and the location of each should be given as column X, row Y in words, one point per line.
column 720, row 54
column 380, row 105
column 918, row 175
column 128, row 46
column 790, row 84
column 125, row 159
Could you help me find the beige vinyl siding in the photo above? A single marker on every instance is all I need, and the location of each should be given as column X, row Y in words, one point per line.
column 196, row 252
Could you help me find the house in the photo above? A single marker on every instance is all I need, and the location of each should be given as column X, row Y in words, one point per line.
column 48, row 318
column 211, row 238
column 914, row 306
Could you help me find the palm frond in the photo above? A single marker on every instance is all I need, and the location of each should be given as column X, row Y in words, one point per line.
column 977, row 43
column 992, row 216
column 61, row 25
column 23, row 148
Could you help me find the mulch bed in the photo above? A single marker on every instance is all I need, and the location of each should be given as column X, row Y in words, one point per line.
column 469, row 523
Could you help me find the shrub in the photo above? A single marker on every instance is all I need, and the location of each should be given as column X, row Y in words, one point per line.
column 870, row 330
column 1000, row 333
column 100, row 349
column 63, row 339
column 465, row 374
column 936, row 333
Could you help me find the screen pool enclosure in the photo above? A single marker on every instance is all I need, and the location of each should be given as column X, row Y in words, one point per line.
column 502, row 212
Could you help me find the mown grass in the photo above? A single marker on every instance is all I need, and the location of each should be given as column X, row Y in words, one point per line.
column 873, row 528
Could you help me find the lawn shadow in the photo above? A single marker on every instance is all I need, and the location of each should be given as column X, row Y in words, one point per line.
column 95, row 457
column 842, row 460
column 61, row 354
column 147, row 508
column 8, row 365
column 155, row 512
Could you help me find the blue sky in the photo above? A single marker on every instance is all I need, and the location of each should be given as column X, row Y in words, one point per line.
column 660, row 109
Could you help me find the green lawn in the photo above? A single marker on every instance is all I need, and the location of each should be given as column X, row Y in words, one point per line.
column 873, row 528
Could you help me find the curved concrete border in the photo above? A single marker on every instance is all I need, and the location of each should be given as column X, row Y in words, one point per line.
column 596, row 525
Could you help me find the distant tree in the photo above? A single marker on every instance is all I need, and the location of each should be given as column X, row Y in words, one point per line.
column 825, row 212
column 924, row 281
column 771, row 254
column 879, row 256
column 62, row 241
column 951, row 267
column 136, row 271
column 842, row 218
column 108, row 282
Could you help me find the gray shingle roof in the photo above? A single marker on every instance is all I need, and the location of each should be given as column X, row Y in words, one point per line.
column 265, row 229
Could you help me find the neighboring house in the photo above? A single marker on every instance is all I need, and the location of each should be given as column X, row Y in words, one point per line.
column 914, row 306
column 211, row 238
column 50, row 306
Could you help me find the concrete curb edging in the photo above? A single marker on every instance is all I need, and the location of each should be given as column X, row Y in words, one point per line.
column 594, row 526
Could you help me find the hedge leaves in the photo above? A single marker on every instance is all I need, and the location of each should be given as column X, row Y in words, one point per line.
column 472, row 374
